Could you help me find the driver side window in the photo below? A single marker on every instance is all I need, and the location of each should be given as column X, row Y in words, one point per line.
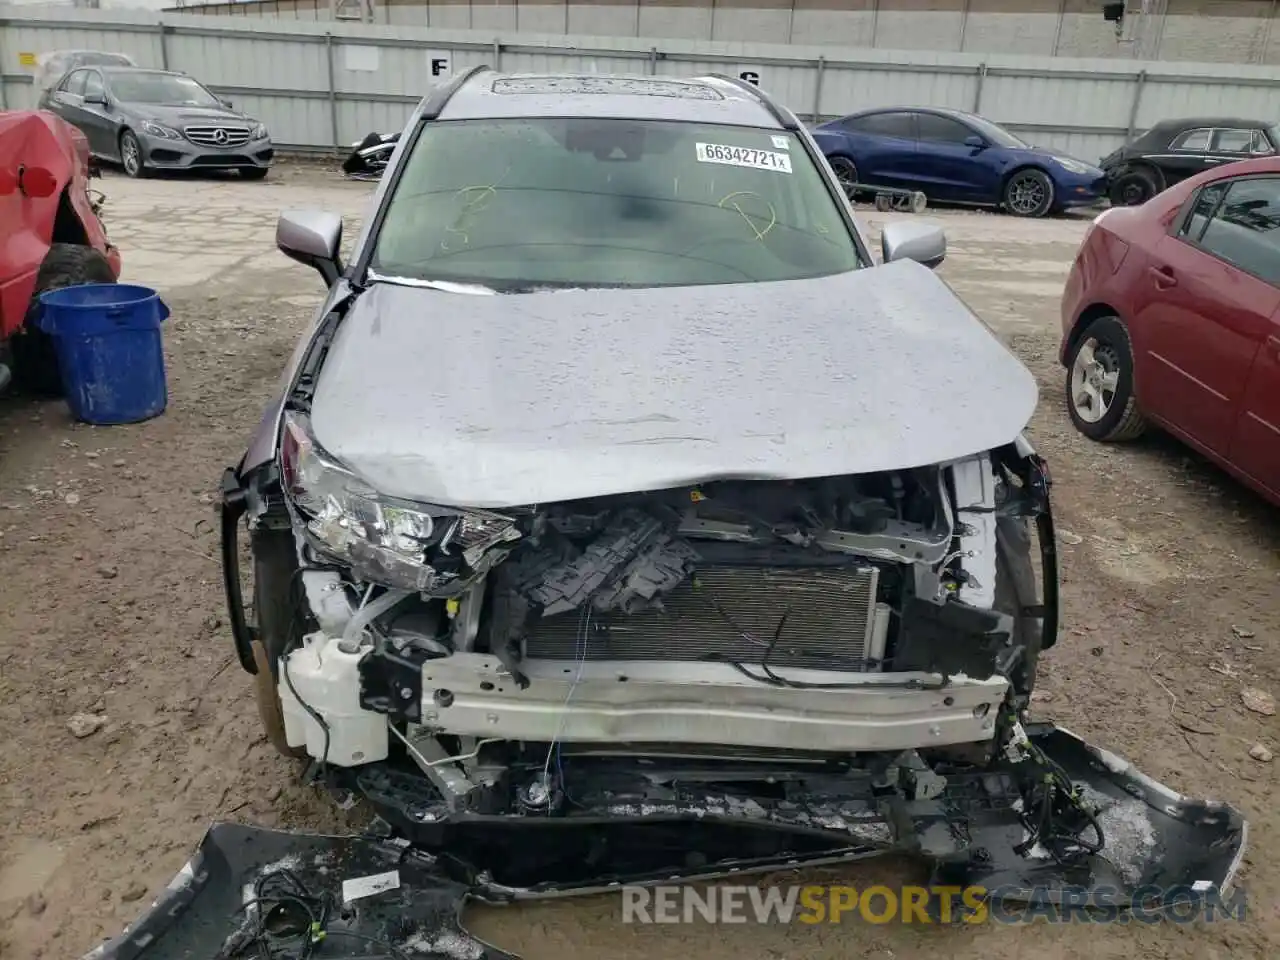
column 939, row 129
column 74, row 83
column 1194, row 141
column 1239, row 222
column 1203, row 208
column 1232, row 140
column 898, row 125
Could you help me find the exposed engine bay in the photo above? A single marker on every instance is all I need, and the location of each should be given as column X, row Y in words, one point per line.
column 730, row 614
column 717, row 678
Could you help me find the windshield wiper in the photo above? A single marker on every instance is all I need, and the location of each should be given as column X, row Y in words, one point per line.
column 446, row 286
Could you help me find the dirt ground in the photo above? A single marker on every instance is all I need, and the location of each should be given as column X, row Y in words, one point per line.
column 110, row 604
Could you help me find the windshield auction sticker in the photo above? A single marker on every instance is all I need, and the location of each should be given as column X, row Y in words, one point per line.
column 743, row 157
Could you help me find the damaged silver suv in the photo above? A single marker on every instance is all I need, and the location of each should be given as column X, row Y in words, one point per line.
column 621, row 518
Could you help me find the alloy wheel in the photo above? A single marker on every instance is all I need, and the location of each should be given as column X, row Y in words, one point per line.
column 1026, row 195
column 130, row 155
column 845, row 172
column 1095, row 375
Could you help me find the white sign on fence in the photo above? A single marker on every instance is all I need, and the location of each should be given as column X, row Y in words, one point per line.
column 361, row 59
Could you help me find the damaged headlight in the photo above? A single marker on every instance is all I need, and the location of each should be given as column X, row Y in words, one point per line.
column 403, row 544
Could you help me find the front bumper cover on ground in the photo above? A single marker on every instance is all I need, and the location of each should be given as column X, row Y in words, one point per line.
column 1158, row 843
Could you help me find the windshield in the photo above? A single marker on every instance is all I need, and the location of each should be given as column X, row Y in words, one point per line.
column 580, row 202
column 161, row 88
column 996, row 134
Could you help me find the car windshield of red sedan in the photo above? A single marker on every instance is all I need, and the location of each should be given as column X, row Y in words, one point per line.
column 161, row 89
column 579, row 202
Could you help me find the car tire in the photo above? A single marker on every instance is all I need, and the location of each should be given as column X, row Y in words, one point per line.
column 1101, row 399
column 35, row 355
column 254, row 173
column 131, row 155
column 846, row 172
column 276, row 603
column 1028, row 193
column 1133, row 188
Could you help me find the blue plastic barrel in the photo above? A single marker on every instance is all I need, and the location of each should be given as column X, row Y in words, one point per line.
column 107, row 337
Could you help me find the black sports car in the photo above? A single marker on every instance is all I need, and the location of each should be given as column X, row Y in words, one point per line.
column 1173, row 150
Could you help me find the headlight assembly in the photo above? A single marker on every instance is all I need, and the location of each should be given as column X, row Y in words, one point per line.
column 157, row 130
column 259, row 132
column 1075, row 166
column 412, row 546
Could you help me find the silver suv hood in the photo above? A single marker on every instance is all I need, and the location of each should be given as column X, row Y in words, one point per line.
column 495, row 401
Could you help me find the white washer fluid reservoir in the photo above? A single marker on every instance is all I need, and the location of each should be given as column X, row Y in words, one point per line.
column 326, row 679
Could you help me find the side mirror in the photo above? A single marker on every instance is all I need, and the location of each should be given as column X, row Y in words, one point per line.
column 920, row 242
column 313, row 238
column 35, row 182
column 226, row 103
column 96, row 98
column 975, row 141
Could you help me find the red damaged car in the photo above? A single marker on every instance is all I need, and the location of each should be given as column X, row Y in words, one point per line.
column 51, row 236
column 1171, row 316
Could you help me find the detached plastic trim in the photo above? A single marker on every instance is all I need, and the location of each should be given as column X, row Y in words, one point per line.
column 232, row 508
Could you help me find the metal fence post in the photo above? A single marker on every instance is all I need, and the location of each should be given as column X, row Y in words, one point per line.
column 1137, row 100
column 653, row 60
column 497, row 54
column 164, row 46
column 1266, row 33
column 333, row 92
column 977, row 88
column 817, row 90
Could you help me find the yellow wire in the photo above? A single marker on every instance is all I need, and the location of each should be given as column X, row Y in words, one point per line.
column 773, row 214
column 483, row 194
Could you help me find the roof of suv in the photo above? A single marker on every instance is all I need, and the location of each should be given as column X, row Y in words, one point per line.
column 119, row 68
column 493, row 95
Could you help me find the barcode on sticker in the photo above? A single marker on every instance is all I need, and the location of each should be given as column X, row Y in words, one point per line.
column 359, row 887
column 742, row 157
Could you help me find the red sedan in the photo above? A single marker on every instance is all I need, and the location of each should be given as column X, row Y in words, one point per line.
column 1171, row 316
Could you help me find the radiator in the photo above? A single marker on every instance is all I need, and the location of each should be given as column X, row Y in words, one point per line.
column 820, row 617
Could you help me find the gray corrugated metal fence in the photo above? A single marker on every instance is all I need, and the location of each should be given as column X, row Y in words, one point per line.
column 322, row 85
